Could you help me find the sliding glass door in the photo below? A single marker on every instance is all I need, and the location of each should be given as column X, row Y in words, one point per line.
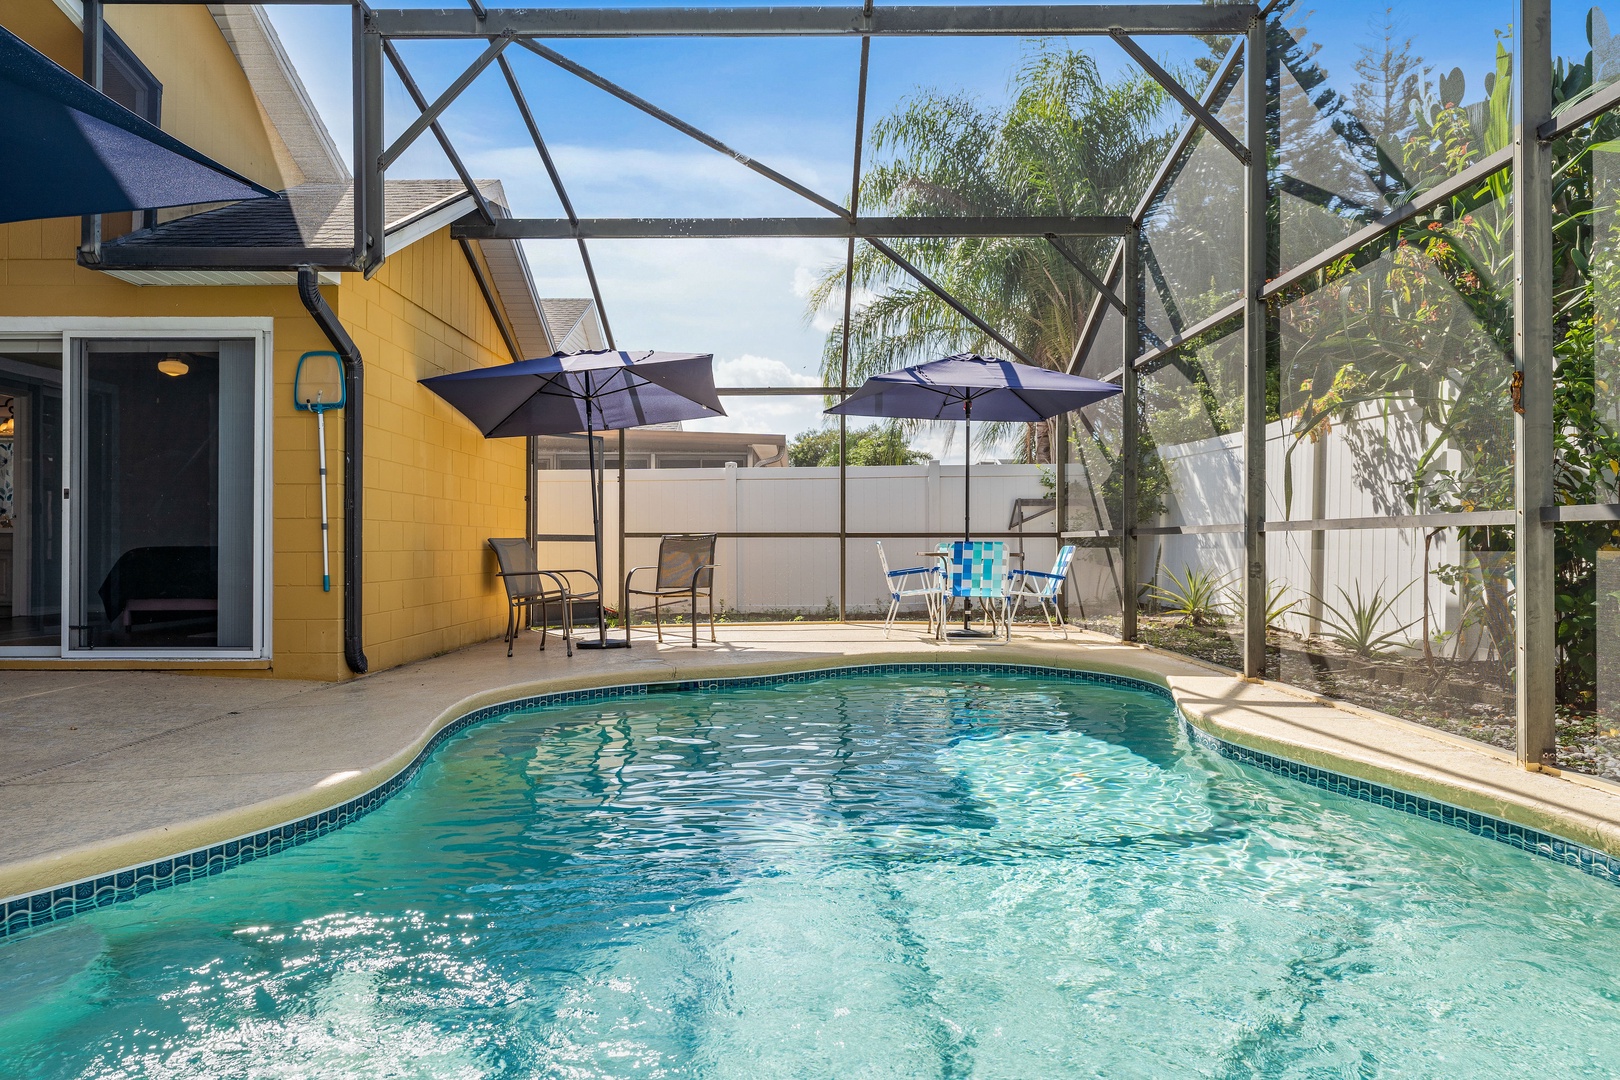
column 164, row 498
column 31, row 536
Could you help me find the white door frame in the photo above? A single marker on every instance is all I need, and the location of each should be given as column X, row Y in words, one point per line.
column 72, row 330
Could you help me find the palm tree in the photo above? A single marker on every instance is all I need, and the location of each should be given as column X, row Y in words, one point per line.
column 1068, row 144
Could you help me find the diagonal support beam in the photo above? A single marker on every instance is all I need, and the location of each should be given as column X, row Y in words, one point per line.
column 416, row 95
column 680, row 125
column 431, row 113
column 1155, row 188
column 961, row 309
column 562, row 195
column 1080, row 265
column 1179, row 92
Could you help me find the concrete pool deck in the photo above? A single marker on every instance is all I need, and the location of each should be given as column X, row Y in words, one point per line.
column 107, row 769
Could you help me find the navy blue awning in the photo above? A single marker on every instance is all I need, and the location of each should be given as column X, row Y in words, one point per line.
column 968, row 386
column 68, row 149
column 604, row 390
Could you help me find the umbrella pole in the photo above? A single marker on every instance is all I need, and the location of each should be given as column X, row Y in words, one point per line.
column 598, row 494
column 967, row 478
column 967, row 513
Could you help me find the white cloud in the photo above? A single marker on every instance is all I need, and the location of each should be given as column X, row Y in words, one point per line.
column 637, row 181
column 769, row 415
column 750, row 370
column 733, row 298
column 775, row 416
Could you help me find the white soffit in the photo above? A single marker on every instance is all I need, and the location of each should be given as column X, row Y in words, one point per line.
column 509, row 273
column 216, row 277
column 431, row 219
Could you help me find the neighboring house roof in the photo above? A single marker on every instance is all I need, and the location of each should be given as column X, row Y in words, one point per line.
column 572, row 324
column 322, row 216
column 673, row 448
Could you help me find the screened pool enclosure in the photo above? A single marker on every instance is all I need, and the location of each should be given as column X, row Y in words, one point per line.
column 1364, row 314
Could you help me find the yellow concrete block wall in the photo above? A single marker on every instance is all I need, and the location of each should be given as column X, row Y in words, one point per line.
column 435, row 488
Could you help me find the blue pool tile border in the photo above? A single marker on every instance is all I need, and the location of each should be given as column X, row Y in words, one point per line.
column 31, row 910
column 1525, row 838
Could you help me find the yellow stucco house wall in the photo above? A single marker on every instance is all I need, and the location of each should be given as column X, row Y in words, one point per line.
column 434, row 488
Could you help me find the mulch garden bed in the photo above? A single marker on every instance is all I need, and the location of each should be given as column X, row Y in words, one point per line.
column 1473, row 699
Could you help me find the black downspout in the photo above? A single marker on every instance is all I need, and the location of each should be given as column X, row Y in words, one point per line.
column 309, row 291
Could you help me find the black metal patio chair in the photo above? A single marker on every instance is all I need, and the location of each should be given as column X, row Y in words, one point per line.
column 527, row 585
column 685, row 571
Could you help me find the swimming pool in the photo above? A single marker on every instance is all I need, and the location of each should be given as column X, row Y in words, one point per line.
column 922, row 875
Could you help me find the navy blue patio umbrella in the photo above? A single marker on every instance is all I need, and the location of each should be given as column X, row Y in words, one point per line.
column 565, row 393
column 968, row 386
column 69, row 149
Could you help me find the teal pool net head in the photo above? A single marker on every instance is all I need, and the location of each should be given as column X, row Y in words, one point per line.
column 318, row 382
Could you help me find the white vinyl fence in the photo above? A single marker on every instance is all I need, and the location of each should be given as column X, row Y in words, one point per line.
column 1357, row 471
column 792, row 576
column 1349, row 473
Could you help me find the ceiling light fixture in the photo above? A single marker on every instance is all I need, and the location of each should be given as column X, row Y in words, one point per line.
column 174, row 366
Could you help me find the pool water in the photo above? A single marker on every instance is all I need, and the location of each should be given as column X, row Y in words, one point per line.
column 921, row 876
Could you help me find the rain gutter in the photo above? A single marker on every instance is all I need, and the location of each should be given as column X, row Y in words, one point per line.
column 309, row 292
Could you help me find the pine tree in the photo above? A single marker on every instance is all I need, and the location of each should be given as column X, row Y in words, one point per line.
column 1390, row 78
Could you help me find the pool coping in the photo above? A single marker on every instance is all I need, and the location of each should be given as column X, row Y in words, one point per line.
column 1537, row 828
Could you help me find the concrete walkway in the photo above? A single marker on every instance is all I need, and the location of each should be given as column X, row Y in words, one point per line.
column 104, row 770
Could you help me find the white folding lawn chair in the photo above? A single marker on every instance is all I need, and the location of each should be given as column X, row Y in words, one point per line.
column 901, row 586
column 1044, row 588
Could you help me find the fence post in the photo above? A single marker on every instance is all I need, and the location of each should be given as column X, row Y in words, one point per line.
column 1535, row 639
column 618, row 573
column 734, row 500
column 931, row 507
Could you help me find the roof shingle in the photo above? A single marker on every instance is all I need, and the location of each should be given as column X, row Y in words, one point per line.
column 312, row 215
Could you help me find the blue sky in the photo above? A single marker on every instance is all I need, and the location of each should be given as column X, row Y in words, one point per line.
column 787, row 103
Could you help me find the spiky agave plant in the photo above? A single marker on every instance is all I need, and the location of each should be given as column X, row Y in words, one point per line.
column 1354, row 625
column 1195, row 595
column 1276, row 606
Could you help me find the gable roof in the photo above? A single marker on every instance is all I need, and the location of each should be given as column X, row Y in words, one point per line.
column 571, row 324
column 316, row 217
column 275, row 82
